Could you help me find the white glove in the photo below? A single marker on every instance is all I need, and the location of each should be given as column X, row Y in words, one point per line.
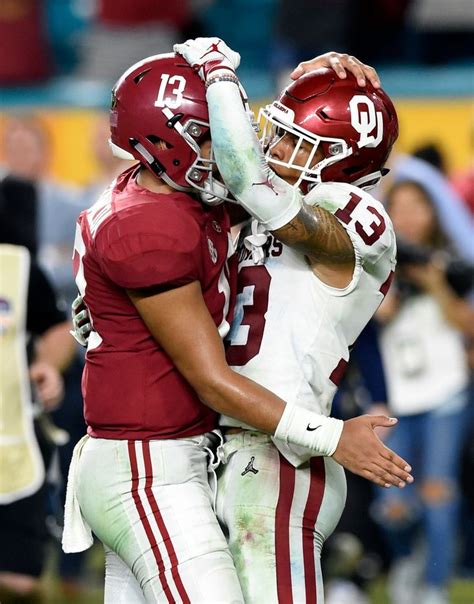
column 209, row 55
column 81, row 325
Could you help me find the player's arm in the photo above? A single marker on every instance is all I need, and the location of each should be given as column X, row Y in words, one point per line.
column 180, row 321
column 317, row 232
column 273, row 202
column 54, row 349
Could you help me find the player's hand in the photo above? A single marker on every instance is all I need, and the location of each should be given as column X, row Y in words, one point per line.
column 48, row 383
column 208, row 55
column 340, row 63
column 81, row 325
column 380, row 409
column 362, row 452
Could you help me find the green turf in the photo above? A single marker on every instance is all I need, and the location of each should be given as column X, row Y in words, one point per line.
column 461, row 592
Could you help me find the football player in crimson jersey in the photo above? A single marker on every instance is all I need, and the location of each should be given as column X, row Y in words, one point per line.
column 153, row 264
column 314, row 265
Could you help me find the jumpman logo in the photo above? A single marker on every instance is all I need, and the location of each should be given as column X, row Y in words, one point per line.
column 213, row 48
column 250, row 468
column 265, row 183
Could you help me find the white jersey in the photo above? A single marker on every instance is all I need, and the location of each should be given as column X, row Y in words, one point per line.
column 291, row 332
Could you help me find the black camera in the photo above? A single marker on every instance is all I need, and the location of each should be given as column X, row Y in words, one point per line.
column 459, row 273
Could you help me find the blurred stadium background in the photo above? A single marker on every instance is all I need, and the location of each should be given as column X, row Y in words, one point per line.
column 59, row 58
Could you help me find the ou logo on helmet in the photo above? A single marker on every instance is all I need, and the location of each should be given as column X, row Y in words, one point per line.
column 365, row 120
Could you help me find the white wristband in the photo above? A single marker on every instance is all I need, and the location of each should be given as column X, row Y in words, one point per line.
column 317, row 432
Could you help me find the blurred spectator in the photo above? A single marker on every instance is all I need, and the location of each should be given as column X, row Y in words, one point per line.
column 33, row 333
column 378, row 31
column 463, row 181
column 27, row 153
column 449, row 206
column 148, row 26
column 444, row 30
column 109, row 166
column 425, row 366
column 467, row 483
column 18, row 207
column 370, row 29
column 463, row 184
column 433, row 155
column 24, row 49
column 45, row 212
column 301, row 32
column 355, row 554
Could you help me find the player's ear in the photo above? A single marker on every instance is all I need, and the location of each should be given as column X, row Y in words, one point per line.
column 159, row 143
column 205, row 147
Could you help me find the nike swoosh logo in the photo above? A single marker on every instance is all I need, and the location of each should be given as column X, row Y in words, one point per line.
column 310, row 429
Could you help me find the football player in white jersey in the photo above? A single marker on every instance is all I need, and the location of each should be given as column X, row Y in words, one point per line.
column 314, row 265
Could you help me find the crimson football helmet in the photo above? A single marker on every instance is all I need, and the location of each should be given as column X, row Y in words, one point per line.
column 354, row 126
column 162, row 99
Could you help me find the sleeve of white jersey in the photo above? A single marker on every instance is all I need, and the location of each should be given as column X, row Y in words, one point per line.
column 241, row 162
column 364, row 218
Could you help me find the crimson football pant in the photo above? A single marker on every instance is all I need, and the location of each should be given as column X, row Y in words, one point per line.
column 151, row 505
column 276, row 518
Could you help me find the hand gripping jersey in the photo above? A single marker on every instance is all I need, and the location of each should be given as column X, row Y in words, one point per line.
column 135, row 239
column 291, row 332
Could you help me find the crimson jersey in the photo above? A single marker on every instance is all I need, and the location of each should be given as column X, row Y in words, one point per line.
column 133, row 238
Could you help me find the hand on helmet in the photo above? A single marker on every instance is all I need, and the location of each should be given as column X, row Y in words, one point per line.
column 81, row 325
column 339, row 62
column 209, row 55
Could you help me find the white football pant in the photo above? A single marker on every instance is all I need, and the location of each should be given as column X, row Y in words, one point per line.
column 276, row 518
column 151, row 505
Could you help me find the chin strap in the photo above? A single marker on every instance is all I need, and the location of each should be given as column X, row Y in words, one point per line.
column 213, row 193
column 255, row 242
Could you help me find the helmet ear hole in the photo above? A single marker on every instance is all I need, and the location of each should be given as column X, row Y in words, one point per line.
column 138, row 78
column 147, row 158
column 159, row 142
column 352, row 170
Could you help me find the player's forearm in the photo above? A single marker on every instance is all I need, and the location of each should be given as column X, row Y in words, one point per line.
column 241, row 162
column 233, row 395
column 236, row 396
column 180, row 321
column 56, row 347
column 317, row 232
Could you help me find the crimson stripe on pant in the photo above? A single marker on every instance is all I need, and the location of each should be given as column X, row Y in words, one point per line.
column 282, row 532
column 161, row 525
column 310, row 516
column 145, row 522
